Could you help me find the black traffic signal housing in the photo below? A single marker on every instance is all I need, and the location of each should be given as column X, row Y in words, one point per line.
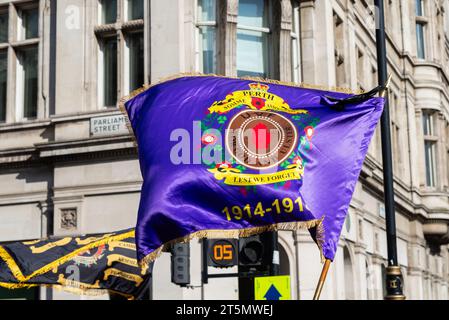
column 255, row 254
column 180, row 264
column 222, row 253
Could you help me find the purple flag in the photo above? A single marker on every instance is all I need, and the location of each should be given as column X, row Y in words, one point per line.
column 232, row 157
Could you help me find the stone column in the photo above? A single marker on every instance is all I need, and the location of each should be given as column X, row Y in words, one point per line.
column 352, row 54
column 361, row 287
column 323, row 34
column 282, row 40
column 407, row 20
column 378, row 261
column 310, row 267
column 414, row 284
column 308, row 41
column 227, row 37
column 166, row 19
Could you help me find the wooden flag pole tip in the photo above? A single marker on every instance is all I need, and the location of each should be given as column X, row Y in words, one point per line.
column 319, row 287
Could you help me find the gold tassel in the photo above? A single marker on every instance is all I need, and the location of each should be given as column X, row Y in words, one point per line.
column 19, row 275
column 234, row 233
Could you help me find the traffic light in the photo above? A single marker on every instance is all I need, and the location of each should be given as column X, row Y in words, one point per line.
column 255, row 253
column 222, row 253
column 180, row 264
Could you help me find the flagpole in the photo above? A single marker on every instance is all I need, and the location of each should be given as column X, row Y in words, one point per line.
column 393, row 272
column 319, row 287
column 274, row 268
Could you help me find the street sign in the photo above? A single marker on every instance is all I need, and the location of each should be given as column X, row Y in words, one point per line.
column 108, row 125
column 272, row 288
column 222, row 253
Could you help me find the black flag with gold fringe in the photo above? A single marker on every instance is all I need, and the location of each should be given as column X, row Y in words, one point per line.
column 92, row 265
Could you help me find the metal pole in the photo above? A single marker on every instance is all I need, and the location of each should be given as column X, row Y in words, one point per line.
column 274, row 270
column 323, row 275
column 393, row 274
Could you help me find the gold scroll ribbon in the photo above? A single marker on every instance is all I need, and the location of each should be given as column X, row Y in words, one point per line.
column 121, row 244
column 121, row 274
column 125, row 260
column 28, row 243
column 244, row 97
column 122, row 259
column 76, row 284
column 83, row 242
column 51, row 245
column 232, row 176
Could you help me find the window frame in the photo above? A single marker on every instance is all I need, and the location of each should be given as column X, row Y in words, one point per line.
column 268, row 31
column 199, row 23
column 20, row 30
column 101, row 74
column 122, row 29
column 127, row 59
column 5, row 10
column 295, row 34
column 430, row 138
column 127, row 11
column 15, row 106
column 5, row 52
column 421, row 37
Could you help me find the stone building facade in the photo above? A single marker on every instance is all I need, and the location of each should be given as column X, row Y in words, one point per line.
column 69, row 166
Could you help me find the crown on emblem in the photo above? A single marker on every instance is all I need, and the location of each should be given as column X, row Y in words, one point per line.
column 259, row 87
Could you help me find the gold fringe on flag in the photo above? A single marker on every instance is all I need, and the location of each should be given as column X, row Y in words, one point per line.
column 234, row 233
column 19, row 275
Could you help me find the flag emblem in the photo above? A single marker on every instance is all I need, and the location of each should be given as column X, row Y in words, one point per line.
column 260, row 139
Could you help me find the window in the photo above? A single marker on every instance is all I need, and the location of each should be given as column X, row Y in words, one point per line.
column 3, row 79
column 374, row 77
column 421, row 22
column 3, row 25
column 360, row 69
column 396, row 133
column 340, row 73
column 109, row 49
column 447, row 154
column 29, row 19
column 296, row 43
column 253, row 31
column 420, row 41
column 135, row 54
column 419, row 7
column 121, row 67
column 430, row 140
column 27, row 83
column 109, row 11
column 19, row 61
column 27, row 62
column 207, row 38
column 135, row 9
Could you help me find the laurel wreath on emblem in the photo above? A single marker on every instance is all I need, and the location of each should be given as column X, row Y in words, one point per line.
column 87, row 259
column 259, row 111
